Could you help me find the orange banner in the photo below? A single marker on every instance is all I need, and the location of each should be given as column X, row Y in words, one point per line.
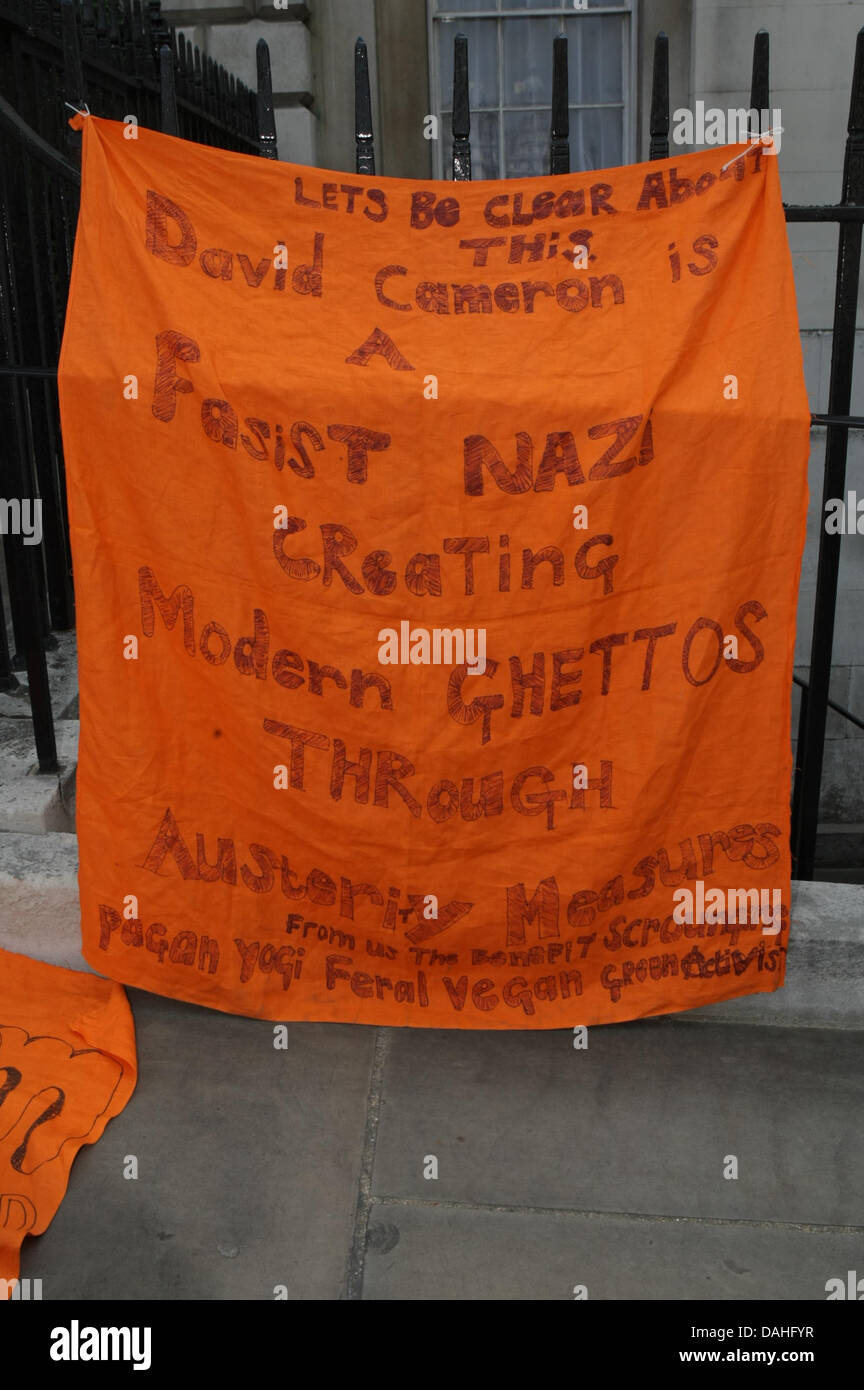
column 436, row 549
column 67, row 1067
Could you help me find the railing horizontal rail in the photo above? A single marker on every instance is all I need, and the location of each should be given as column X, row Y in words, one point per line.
column 36, row 146
column 832, row 704
column 830, row 212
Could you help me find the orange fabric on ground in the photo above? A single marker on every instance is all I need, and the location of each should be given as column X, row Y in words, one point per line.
column 67, row 1066
column 436, row 551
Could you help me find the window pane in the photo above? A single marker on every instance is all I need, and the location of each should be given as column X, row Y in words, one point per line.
column 596, row 58
column 482, row 61
column 566, row 6
column 444, row 5
column 484, row 146
column 440, row 7
column 526, row 142
column 528, row 61
column 596, row 139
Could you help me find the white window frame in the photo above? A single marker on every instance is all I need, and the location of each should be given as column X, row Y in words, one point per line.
column 628, row 8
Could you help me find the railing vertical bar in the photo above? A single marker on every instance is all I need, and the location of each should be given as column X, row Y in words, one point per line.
column 102, row 31
column 37, row 264
column 225, row 95
column 138, row 39
column 167, row 92
column 658, row 147
column 197, row 80
column 235, row 109
column 73, row 73
column 114, row 35
column 759, row 85
column 461, row 117
column 264, row 99
column 127, row 39
column 364, row 149
column 158, row 27
column 43, row 15
column 26, row 592
column 808, row 782
column 183, row 66
column 559, row 140
column 8, row 679
column 88, row 25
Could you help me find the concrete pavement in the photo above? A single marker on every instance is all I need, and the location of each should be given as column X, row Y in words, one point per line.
column 308, row 1172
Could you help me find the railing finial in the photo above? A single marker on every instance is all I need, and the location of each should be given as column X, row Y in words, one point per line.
column 264, row 103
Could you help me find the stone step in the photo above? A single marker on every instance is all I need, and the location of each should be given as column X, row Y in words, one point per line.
column 40, row 917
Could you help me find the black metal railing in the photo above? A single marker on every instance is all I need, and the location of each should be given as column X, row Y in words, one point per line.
column 120, row 59
column 118, row 56
column 848, row 213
